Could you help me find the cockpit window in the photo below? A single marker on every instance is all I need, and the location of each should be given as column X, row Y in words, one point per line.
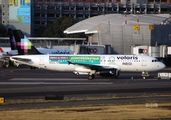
column 154, row 60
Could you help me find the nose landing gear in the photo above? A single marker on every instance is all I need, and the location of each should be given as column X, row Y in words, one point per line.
column 145, row 74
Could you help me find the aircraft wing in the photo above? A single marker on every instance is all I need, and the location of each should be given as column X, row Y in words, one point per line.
column 22, row 59
column 4, row 57
column 92, row 67
column 1, row 58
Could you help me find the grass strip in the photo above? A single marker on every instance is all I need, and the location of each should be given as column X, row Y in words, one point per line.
column 7, row 102
column 91, row 112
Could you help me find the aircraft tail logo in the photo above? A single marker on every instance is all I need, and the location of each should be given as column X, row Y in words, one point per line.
column 1, row 50
column 24, row 46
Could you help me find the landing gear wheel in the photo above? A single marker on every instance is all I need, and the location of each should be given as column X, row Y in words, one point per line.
column 145, row 74
column 90, row 77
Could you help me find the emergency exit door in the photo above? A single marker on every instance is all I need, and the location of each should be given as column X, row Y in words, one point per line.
column 41, row 61
column 144, row 61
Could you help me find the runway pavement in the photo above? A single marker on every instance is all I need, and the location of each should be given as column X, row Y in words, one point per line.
column 23, row 83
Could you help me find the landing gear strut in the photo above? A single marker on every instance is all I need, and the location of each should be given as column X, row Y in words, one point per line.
column 117, row 74
column 145, row 74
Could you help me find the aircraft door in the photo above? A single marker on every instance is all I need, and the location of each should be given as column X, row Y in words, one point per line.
column 41, row 61
column 143, row 61
column 103, row 60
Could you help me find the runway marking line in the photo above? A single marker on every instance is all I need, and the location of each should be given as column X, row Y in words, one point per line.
column 53, row 79
column 34, row 79
column 125, row 82
column 53, row 83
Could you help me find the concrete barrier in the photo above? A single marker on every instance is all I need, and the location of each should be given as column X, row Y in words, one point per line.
column 54, row 97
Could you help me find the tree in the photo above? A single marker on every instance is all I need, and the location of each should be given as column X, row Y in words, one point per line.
column 3, row 31
column 58, row 26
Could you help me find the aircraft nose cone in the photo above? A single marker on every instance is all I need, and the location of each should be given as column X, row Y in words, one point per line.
column 162, row 66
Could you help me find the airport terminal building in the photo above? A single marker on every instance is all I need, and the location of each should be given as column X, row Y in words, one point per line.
column 32, row 15
column 123, row 31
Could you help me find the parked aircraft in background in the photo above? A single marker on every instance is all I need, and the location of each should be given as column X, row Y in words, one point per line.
column 3, row 53
column 103, row 65
column 4, row 49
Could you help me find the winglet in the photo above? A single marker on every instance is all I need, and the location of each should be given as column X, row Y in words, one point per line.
column 24, row 46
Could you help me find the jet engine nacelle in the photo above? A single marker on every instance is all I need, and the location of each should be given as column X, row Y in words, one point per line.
column 108, row 73
column 81, row 71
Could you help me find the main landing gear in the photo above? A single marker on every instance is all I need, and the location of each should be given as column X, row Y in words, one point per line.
column 145, row 74
column 90, row 77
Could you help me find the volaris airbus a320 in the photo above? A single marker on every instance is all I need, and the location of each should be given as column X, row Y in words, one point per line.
column 103, row 65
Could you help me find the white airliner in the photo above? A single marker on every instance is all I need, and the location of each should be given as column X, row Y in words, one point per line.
column 3, row 52
column 103, row 65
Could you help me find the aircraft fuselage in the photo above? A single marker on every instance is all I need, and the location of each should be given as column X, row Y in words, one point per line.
column 132, row 63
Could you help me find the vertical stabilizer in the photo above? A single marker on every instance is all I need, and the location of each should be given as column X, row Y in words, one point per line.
column 24, row 46
column 1, row 50
column 12, row 40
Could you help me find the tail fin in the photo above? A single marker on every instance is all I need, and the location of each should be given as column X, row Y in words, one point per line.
column 12, row 40
column 24, row 46
column 1, row 50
